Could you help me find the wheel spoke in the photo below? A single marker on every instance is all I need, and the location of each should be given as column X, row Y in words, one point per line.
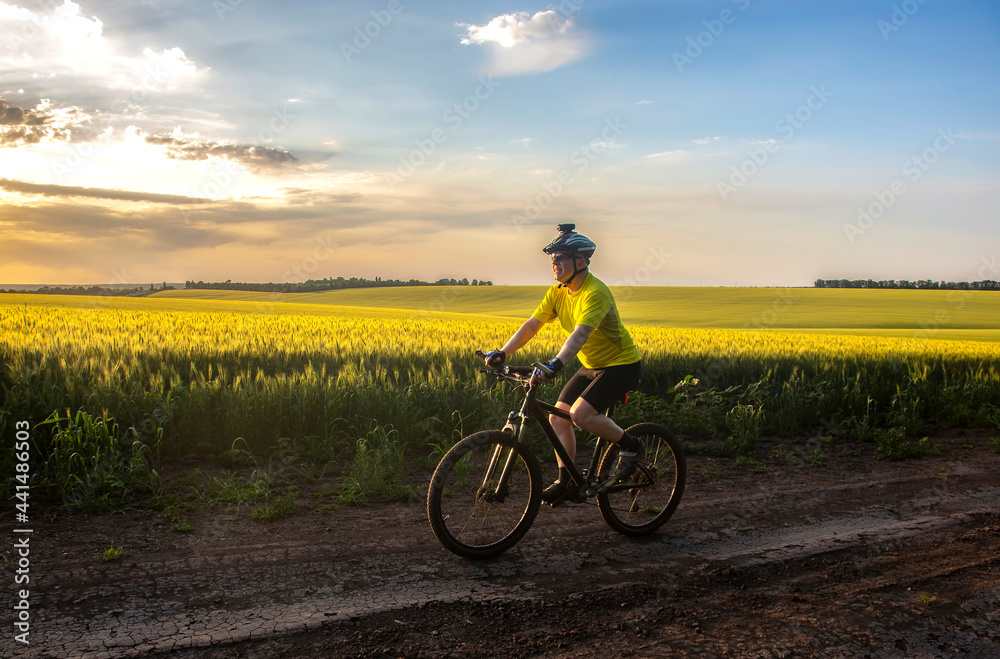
column 464, row 510
column 658, row 485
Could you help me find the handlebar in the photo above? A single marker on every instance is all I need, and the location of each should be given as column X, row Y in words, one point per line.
column 522, row 373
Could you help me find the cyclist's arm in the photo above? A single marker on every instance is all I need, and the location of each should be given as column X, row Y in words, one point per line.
column 525, row 333
column 574, row 342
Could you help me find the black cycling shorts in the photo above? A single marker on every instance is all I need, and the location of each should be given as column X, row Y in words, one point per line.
column 602, row 387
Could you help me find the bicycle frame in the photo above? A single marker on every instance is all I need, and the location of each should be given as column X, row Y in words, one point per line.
column 534, row 409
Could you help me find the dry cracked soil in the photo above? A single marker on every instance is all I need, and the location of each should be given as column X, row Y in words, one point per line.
column 854, row 558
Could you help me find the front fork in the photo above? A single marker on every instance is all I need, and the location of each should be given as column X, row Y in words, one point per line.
column 514, row 426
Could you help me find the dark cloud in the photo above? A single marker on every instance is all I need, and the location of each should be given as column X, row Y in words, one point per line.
column 255, row 158
column 11, row 115
column 97, row 193
column 162, row 230
column 19, row 126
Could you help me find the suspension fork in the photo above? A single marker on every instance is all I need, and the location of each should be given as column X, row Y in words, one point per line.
column 515, row 423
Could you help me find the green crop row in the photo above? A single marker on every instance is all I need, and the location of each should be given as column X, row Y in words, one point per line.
column 113, row 393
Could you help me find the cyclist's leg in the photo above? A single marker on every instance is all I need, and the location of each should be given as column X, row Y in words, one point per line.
column 586, row 417
column 557, row 492
column 564, row 430
column 567, row 397
column 608, row 387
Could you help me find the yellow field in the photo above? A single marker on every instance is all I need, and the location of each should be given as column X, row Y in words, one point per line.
column 206, row 368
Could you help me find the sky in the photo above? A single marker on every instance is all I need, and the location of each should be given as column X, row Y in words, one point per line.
column 697, row 142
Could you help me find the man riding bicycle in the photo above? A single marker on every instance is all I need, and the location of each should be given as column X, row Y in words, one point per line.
column 611, row 364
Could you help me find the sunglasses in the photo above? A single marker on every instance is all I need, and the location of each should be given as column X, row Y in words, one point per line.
column 561, row 257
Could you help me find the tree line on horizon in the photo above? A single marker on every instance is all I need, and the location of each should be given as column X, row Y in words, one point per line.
column 138, row 291
column 327, row 284
column 922, row 284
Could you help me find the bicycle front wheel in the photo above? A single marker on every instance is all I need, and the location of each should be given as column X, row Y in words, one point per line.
column 641, row 504
column 484, row 495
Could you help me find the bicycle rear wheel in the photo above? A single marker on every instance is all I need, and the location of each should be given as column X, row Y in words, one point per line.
column 470, row 511
column 645, row 501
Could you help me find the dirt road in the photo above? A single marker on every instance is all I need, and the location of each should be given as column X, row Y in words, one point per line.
column 854, row 558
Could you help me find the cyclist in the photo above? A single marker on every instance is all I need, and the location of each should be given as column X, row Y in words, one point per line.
column 611, row 364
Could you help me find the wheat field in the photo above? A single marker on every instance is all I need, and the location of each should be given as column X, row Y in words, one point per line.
column 208, row 371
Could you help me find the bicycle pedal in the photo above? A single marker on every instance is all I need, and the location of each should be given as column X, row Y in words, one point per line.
column 572, row 495
column 560, row 500
column 600, row 488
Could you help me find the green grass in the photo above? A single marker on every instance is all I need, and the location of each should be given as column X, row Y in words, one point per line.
column 112, row 553
column 955, row 315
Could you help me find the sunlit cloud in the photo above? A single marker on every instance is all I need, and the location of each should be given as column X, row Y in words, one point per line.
column 43, row 123
column 676, row 155
column 60, row 46
column 525, row 43
column 188, row 147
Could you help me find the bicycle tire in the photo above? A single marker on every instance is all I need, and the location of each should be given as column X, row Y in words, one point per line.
column 640, row 510
column 463, row 509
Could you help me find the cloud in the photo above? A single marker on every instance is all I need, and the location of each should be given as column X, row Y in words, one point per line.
column 58, row 45
column 91, row 229
column 526, row 43
column 24, row 187
column 669, row 156
column 39, row 124
column 255, row 158
column 509, row 30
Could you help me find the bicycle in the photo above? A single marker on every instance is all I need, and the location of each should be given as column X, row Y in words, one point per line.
column 486, row 491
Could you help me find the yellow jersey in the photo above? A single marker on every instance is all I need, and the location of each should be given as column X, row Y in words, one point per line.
column 609, row 344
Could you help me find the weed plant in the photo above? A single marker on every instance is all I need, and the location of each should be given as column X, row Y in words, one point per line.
column 745, row 422
column 93, row 464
